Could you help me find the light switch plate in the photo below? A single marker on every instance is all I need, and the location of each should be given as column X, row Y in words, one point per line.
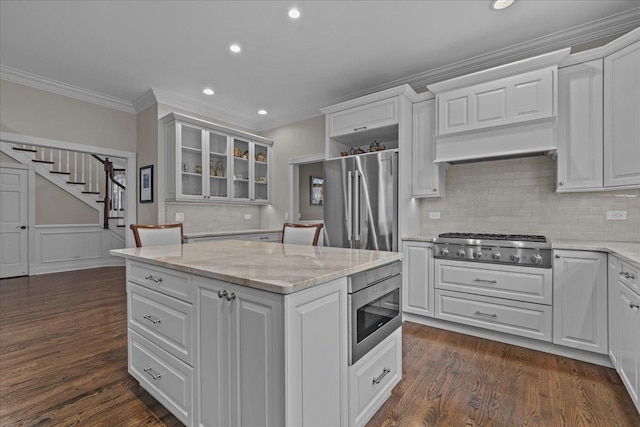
column 247, row 216
column 179, row 217
column 434, row 215
column 616, row 215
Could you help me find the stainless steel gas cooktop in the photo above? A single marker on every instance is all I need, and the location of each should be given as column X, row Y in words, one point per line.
column 515, row 249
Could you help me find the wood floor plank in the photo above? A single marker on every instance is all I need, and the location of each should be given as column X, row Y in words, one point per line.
column 63, row 362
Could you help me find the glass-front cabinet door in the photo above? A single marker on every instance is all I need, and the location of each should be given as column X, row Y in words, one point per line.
column 190, row 141
column 261, row 172
column 241, row 170
column 218, row 165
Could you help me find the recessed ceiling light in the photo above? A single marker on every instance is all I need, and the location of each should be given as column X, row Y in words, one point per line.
column 500, row 4
column 208, row 91
column 294, row 13
column 235, row 48
column 262, row 112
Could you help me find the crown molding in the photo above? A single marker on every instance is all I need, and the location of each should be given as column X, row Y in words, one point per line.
column 43, row 83
column 144, row 101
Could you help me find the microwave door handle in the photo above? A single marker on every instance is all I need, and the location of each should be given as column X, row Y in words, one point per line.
column 356, row 233
column 349, row 205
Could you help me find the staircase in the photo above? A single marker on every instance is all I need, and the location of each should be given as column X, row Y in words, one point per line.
column 94, row 180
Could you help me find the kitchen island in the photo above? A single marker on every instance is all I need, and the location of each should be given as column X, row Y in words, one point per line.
column 252, row 333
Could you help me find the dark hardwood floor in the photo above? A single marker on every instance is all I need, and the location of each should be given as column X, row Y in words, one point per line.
column 63, row 361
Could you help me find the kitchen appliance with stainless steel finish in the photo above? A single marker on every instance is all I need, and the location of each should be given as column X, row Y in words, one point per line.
column 373, row 305
column 514, row 249
column 361, row 201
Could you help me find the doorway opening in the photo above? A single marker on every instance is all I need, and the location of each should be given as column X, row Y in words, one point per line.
column 305, row 189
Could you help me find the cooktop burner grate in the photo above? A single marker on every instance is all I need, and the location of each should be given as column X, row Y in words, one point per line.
column 488, row 236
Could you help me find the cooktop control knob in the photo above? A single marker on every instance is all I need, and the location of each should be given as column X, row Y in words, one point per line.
column 536, row 259
column 444, row 252
column 461, row 252
column 496, row 256
column 515, row 257
column 477, row 254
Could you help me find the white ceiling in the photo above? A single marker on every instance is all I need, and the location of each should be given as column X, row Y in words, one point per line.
column 119, row 50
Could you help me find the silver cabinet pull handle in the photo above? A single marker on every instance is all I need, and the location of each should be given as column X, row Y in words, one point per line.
column 485, row 281
column 153, row 375
column 151, row 319
column 153, row 278
column 222, row 294
column 360, row 128
column 632, row 305
column 479, row 313
column 384, row 373
column 230, row 296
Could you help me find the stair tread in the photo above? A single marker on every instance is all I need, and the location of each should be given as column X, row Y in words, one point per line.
column 99, row 201
column 43, row 161
column 90, row 192
column 30, row 150
column 120, row 225
column 75, row 182
column 116, row 217
column 60, row 172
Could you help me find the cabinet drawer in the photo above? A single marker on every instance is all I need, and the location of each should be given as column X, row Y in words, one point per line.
column 169, row 282
column 512, row 282
column 267, row 237
column 363, row 118
column 373, row 376
column 163, row 376
column 165, row 321
column 629, row 276
column 513, row 317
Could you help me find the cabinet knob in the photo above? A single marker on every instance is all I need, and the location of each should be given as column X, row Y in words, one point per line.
column 561, row 183
column 222, row 294
column 633, row 306
column 558, row 256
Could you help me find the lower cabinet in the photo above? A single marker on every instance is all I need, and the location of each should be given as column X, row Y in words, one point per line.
column 626, row 320
column 372, row 377
column 417, row 278
column 580, row 300
column 258, row 237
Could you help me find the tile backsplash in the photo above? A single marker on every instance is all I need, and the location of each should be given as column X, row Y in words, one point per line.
column 517, row 196
column 205, row 217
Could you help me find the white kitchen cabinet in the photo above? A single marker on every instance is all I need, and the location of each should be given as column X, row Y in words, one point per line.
column 523, row 97
column 239, row 353
column 417, row 278
column 209, row 162
column 427, row 178
column 612, row 292
column 255, row 237
column 580, row 300
column 627, row 323
column 580, row 124
column 621, row 113
column 364, row 118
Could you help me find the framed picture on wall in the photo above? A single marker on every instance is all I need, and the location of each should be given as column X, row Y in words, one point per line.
column 317, row 190
column 146, row 184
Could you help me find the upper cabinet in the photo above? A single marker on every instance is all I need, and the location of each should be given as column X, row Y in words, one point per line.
column 368, row 117
column 598, row 125
column 427, row 178
column 209, row 162
column 622, row 117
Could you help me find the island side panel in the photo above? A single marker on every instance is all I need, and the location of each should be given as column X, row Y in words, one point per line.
column 316, row 349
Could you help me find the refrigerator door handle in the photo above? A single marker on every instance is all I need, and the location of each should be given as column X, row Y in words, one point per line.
column 349, row 205
column 356, row 216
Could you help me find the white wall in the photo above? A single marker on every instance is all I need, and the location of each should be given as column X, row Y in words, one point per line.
column 297, row 139
column 517, row 196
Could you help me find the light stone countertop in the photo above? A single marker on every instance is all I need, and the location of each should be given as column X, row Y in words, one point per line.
column 274, row 267
column 231, row 233
column 626, row 251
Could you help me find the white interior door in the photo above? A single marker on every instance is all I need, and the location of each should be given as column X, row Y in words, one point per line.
column 14, row 216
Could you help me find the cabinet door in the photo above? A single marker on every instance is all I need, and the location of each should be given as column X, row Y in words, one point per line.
column 628, row 325
column 364, row 118
column 580, row 126
column 261, row 172
column 417, row 279
column 218, row 165
column 242, row 173
column 425, row 175
column 612, row 303
column 191, row 157
column 621, row 112
column 580, row 300
column 256, row 355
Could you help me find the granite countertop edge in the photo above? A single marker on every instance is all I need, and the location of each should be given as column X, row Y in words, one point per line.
column 231, row 233
column 626, row 251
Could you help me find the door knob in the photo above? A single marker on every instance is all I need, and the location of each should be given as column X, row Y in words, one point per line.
column 22, row 227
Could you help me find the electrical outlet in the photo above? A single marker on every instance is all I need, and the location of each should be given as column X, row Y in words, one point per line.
column 247, row 216
column 434, row 215
column 179, row 217
column 616, row 215
column 286, row 216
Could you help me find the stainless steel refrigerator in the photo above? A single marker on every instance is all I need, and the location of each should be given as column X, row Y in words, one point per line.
column 361, row 201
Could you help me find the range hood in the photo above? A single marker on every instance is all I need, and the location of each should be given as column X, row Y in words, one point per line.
column 503, row 112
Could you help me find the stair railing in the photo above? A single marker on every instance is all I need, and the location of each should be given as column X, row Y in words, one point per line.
column 113, row 188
